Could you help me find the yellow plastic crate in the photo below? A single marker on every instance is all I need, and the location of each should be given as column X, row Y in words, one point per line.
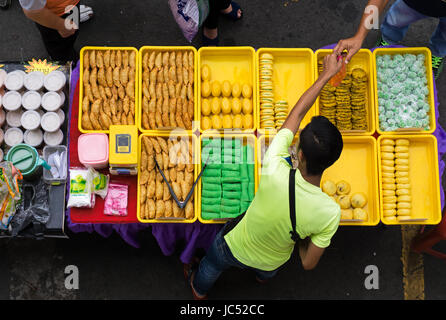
column 141, row 53
column 81, row 84
column 235, row 64
column 431, row 99
column 362, row 59
column 195, row 195
column 293, row 74
column 424, row 179
column 247, row 139
column 356, row 165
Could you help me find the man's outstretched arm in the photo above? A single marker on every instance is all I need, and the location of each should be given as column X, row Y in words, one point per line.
column 331, row 66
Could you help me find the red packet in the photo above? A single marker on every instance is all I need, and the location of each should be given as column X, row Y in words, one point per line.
column 338, row 77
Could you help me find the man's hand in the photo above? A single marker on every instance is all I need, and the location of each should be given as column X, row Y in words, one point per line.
column 332, row 65
column 352, row 45
column 65, row 33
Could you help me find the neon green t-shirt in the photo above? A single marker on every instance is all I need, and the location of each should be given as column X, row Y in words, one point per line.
column 262, row 238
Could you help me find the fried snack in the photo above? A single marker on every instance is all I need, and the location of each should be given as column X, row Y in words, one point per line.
column 130, row 89
column 144, row 177
column 125, row 59
column 124, row 75
column 105, row 121
column 342, row 188
column 113, row 59
column 86, row 122
column 152, row 120
column 100, row 60
column 118, row 60
column 160, row 208
column 155, row 144
column 151, row 189
column 116, row 77
column 346, row 214
column 166, row 192
column 185, row 60
column 358, row 200
column 159, row 120
column 92, row 59
column 189, row 210
column 86, row 75
column 329, row 187
column 177, row 189
column 158, row 60
column 107, row 59
column 151, row 61
column 86, row 59
column 150, row 209
column 159, row 190
column 359, row 214
column 179, row 59
column 344, row 201
column 143, row 194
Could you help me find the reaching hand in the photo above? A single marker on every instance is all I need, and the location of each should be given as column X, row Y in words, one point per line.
column 352, row 45
column 65, row 33
column 332, row 65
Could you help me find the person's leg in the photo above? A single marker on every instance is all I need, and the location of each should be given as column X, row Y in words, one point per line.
column 211, row 22
column 217, row 259
column 437, row 45
column 397, row 21
column 59, row 48
column 264, row 276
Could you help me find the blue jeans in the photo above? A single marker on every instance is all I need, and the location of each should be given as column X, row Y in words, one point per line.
column 398, row 19
column 219, row 258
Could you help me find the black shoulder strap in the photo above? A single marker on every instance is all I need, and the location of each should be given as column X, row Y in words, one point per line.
column 292, row 202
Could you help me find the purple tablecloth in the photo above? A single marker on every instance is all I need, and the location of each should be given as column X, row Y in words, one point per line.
column 198, row 235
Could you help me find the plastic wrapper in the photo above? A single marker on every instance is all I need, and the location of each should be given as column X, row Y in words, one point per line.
column 10, row 193
column 81, row 192
column 116, row 200
column 100, row 183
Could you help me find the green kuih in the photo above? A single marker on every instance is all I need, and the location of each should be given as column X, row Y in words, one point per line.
column 232, row 187
column 230, row 202
column 212, row 187
column 230, row 179
column 226, row 173
column 232, row 167
column 244, row 172
column 215, row 208
column 230, row 209
column 213, row 180
column 209, row 193
column 213, row 166
column 244, row 205
column 228, row 159
column 209, row 215
column 210, row 201
column 251, row 190
column 244, row 192
column 231, row 195
column 211, row 172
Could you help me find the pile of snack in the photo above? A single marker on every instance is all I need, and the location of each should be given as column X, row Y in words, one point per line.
column 175, row 159
column 345, row 104
column 228, row 178
column 167, row 90
column 109, row 80
column 31, row 108
column 225, row 105
column 402, row 92
column 395, row 179
column 352, row 207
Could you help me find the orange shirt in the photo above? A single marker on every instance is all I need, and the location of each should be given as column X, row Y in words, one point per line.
column 58, row 6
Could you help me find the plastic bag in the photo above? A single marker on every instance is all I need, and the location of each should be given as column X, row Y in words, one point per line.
column 116, row 200
column 189, row 15
column 10, row 193
column 100, row 183
column 81, row 191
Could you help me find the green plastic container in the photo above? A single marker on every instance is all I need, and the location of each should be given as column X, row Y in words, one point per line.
column 26, row 159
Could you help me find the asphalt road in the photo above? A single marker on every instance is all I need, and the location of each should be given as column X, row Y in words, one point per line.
column 111, row 269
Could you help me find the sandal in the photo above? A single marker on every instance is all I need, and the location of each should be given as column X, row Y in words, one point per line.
column 233, row 14
column 208, row 42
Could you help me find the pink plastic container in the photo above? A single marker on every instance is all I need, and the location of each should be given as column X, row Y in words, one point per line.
column 92, row 149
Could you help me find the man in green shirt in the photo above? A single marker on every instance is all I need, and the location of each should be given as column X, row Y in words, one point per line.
column 261, row 240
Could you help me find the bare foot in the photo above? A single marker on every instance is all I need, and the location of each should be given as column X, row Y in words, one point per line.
column 210, row 33
column 229, row 9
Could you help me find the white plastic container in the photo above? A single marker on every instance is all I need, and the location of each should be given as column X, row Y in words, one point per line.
column 55, row 81
column 34, row 81
column 61, row 116
column 13, row 118
column 51, row 101
column 13, row 136
column 50, row 122
column 14, row 81
column 33, row 137
column 53, row 138
column 31, row 100
column 62, row 97
column 30, row 120
column 12, row 100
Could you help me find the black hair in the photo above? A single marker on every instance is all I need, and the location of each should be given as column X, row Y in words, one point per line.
column 321, row 144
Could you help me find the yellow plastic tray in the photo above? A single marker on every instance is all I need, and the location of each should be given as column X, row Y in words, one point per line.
column 424, row 179
column 195, row 197
column 247, row 139
column 81, row 84
column 431, row 100
column 363, row 59
column 141, row 52
column 233, row 64
column 293, row 74
column 357, row 165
